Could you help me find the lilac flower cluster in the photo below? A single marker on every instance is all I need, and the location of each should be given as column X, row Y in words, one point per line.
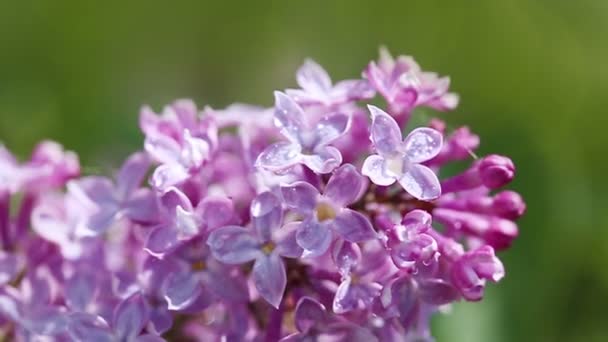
column 318, row 219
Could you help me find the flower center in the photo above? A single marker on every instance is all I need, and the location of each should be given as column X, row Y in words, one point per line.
column 199, row 265
column 268, row 247
column 325, row 211
column 395, row 166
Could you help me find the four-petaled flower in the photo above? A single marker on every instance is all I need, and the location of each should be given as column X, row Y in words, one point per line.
column 327, row 212
column 307, row 142
column 317, row 87
column 399, row 160
column 265, row 244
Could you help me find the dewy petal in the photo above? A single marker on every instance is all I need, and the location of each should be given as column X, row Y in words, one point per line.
column 353, row 226
column 331, row 128
column 323, row 160
column 351, row 296
column 385, row 132
column 421, row 182
column 313, row 78
column 266, row 214
column 423, row 144
column 181, row 290
column 168, row 175
column 374, row 168
column 300, row 196
column 279, row 156
column 130, row 317
column 346, row 256
column 269, row 278
column 309, row 314
column 131, row 174
column 345, row 185
column 314, row 237
column 233, row 245
column 288, row 116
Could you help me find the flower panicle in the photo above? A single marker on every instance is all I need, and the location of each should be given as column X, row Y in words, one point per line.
column 319, row 217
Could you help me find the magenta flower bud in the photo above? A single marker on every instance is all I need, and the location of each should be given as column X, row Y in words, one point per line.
column 495, row 231
column 509, row 204
column 473, row 269
column 496, row 171
column 492, row 171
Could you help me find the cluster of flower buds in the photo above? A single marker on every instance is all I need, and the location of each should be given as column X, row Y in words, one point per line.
column 315, row 219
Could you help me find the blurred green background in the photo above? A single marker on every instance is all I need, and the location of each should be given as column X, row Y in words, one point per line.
column 532, row 75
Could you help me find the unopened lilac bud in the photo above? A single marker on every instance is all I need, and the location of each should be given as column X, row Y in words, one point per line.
column 473, row 269
column 509, row 204
column 495, row 231
column 496, row 171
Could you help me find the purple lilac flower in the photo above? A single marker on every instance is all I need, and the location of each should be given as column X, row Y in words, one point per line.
column 308, row 142
column 327, row 213
column 266, row 245
column 400, row 160
column 405, row 86
column 233, row 218
column 179, row 140
column 124, row 198
column 317, row 87
column 182, row 221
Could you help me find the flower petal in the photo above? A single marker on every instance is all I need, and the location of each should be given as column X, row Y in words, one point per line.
column 168, row 175
column 421, row 182
column 226, row 287
column 80, row 290
column 161, row 241
column 10, row 265
column 130, row 317
column 142, row 206
column 331, row 128
column 131, row 174
column 353, row 226
column 300, row 196
column 266, row 214
column 287, row 244
column 323, row 160
column 437, row 291
column 345, row 185
column 279, row 156
column 270, row 278
column 314, row 237
column 351, row 296
column 215, row 211
column 309, row 314
column 423, row 144
column 374, row 168
column 233, row 245
column 289, row 116
column 385, row 132
column 181, row 290
column 87, row 327
column 313, row 78
column 346, row 256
